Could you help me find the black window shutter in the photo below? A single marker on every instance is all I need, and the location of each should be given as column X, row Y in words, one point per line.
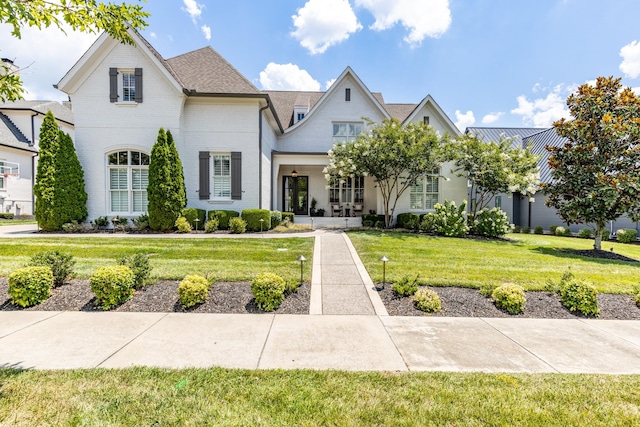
column 204, row 192
column 236, row 175
column 138, row 95
column 113, row 84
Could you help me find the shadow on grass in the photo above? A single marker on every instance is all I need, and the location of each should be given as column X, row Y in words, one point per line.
column 599, row 257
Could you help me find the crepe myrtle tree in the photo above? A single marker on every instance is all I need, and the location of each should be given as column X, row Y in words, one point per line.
column 393, row 154
column 88, row 16
column 596, row 173
column 493, row 167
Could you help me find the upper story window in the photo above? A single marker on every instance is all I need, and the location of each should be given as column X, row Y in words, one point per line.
column 128, row 181
column 300, row 116
column 125, row 85
column 347, row 94
column 423, row 193
column 345, row 132
column 425, row 120
column 3, row 180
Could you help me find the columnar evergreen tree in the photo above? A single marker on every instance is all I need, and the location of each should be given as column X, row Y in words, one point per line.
column 166, row 191
column 59, row 188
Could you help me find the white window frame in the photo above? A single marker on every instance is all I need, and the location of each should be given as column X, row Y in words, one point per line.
column 3, row 180
column 129, row 186
column 343, row 132
column 421, row 194
column 347, row 191
column 223, row 180
column 122, row 87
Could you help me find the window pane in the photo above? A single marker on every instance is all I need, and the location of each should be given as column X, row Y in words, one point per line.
column 221, row 166
column 140, row 179
column 120, row 201
column 432, row 184
column 135, row 157
column 430, row 201
column 128, row 87
column 144, row 159
column 222, row 187
column 416, row 201
column 123, row 158
column 140, row 201
column 118, row 179
column 113, row 158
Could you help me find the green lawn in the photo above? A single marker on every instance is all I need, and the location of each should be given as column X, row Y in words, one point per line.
column 223, row 259
column 198, row 397
column 17, row 221
column 528, row 260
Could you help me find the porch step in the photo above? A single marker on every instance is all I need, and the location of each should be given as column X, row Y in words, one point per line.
column 332, row 223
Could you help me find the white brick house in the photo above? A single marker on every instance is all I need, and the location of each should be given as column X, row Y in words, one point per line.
column 239, row 145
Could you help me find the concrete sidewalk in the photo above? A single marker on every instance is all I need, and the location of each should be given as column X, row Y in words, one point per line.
column 67, row 340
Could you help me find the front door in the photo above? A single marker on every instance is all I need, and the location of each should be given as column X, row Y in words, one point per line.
column 296, row 194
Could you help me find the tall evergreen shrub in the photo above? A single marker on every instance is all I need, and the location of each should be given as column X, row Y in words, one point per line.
column 166, row 190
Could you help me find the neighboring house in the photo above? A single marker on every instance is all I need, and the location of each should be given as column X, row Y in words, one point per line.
column 240, row 147
column 520, row 209
column 20, row 123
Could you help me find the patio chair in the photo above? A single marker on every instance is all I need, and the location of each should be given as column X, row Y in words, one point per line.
column 357, row 210
column 336, row 210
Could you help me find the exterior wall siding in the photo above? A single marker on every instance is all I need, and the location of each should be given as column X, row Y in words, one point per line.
column 16, row 197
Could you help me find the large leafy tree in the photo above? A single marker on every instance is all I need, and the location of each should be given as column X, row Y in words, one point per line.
column 596, row 174
column 394, row 155
column 493, row 167
column 78, row 15
column 166, row 190
column 59, row 188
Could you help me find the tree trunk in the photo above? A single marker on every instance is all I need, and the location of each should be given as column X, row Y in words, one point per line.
column 597, row 244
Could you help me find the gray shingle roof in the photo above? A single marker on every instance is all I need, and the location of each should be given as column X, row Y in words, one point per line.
column 283, row 103
column 60, row 112
column 11, row 136
column 538, row 142
column 400, row 111
column 493, row 134
column 206, row 71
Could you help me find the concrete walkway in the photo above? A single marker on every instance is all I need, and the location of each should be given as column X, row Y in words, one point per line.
column 348, row 329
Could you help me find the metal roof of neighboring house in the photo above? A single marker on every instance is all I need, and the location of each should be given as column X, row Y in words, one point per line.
column 538, row 142
column 11, row 136
column 60, row 112
column 205, row 71
column 494, row 134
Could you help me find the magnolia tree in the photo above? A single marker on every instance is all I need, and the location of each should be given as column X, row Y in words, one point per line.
column 83, row 15
column 394, row 155
column 493, row 167
column 595, row 175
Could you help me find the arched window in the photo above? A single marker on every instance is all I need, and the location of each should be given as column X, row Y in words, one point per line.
column 128, row 179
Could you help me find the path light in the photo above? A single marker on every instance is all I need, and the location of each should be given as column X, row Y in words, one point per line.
column 197, row 220
column 311, row 223
column 301, row 259
column 346, row 223
column 384, row 260
column 261, row 222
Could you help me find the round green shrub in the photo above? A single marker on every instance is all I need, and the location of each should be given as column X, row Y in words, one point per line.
column 538, row 230
column 288, row 216
column 408, row 220
column 560, row 231
column 552, row 230
column 223, row 217
column 276, row 218
column 237, row 225
column 30, row 285
column 405, row 287
column 579, row 296
column 140, row 266
column 427, row 300
column 61, row 265
column 112, row 285
column 192, row 290
column 253, row 216
column 525, row 230
column 194, row 213
column 492, row 222
column 516, row 229
column 428, row 224
column 509, row 297
column 268, row 290
column 183, row 226
column 627, row 235
column 585, row 233
column 211, row 225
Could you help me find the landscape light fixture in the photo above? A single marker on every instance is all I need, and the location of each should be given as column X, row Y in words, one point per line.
column 261, row 222
column 197, row 220
column 301, row 259
column 384, row 260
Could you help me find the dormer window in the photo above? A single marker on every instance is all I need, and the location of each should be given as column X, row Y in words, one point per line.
column 125, row 85
column 300, row 107
column 300, row 117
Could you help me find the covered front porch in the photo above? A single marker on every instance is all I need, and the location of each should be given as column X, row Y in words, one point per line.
column 299, row 180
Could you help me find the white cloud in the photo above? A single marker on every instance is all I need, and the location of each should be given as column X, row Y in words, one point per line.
column 323, row 23
column 287, row 77
column 630, row 64
column 542, row 112
column 41, row 68
column 464, row 120
column 328, row 84
column 206, row 30
column 153, row 35
column 193, row 9
column 492, row 118
column 422, row 18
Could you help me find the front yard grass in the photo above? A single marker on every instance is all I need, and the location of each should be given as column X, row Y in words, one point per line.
column 528, row 260
column 195, row 397
column 223, row 259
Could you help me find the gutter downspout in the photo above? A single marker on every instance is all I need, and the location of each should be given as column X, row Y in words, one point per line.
column 260, row 153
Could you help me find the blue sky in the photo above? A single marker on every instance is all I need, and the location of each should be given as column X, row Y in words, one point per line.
column 486, row 62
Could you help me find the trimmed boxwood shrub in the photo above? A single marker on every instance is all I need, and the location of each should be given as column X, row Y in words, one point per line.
column 525, row 230
column 268, row 290
column 6, row 215
column 627, row 235
column 580, row 296
column 276, row 218
column 552, row 230
column 405, row 287
column 427, row 300
column 140, row 266
column 408, row 220
column 192, row 290
column 538, row 230
column 30, row 285
column 61, row 265
column 371, row 219
column 584, row 233
column 290, row 216
column 112, row 285
column 237, row 225
column 223, row 217
column 509, row 297
column 253, row 216
column 192, row 213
